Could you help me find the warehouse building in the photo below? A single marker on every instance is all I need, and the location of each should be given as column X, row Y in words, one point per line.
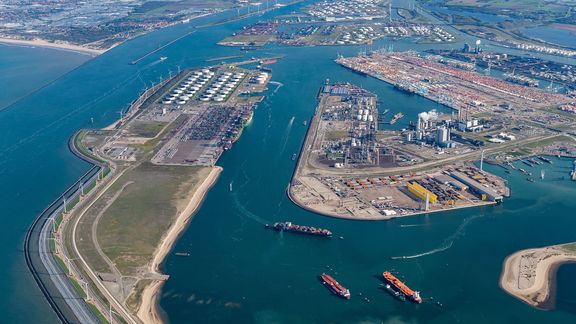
column 485, row 193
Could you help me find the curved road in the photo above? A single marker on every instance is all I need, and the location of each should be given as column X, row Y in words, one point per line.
column 62, row 296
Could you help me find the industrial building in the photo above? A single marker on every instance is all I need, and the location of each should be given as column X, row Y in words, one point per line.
column 448, row 180
column 484, row 192
column 422, row 192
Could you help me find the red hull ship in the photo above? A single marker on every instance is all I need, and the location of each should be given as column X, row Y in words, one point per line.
column 402, row 288
column 335, row 287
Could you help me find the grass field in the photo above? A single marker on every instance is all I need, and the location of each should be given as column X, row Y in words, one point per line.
column 335, row 135
column 146, row 129
column 131, row 227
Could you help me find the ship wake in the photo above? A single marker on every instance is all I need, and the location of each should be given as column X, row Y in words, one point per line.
column 413, row 225
column 277, row 84
column 446, row 244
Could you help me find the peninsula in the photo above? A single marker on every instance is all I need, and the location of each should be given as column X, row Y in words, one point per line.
column 161, row 158
column 530, row 275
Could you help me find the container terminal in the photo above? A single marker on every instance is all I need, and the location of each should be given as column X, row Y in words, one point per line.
column 206, row 113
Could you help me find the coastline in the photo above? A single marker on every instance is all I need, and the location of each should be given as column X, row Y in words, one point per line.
column 149, row 310
column 56, row 46
column 296, row 202
column 530, row 275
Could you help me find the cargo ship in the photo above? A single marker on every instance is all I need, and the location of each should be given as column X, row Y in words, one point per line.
column 289, row 227
column 396, row 117
column 545, row 159
column 402, row 288
column 335, row 287
column 268, row 61
column 405, row 88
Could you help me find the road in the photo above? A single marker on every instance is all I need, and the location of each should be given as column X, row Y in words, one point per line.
column 59, row 291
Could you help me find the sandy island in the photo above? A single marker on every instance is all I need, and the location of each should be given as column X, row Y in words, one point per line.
column 58, row 46
column 149, row 312
column 529, row 275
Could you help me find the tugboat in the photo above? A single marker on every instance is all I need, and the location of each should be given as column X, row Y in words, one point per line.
column 335, row 287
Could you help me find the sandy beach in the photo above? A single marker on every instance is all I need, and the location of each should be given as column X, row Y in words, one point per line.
column 148, row 312
column 51, row 45
column 529, row 274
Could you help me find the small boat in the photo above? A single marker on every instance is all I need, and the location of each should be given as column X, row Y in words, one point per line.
column 294, row 156
column 162, row 58
column 182, row 254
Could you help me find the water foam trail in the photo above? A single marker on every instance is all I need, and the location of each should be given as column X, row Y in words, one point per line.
column 277, row 84
column 440, row 249
column 246, row 212
column 285, row 137
column 413, row 225
column 446, row 244
column 239, row 206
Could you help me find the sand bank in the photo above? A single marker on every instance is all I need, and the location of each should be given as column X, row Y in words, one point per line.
column 46, row 44
column 529, row 274
column 149, row 312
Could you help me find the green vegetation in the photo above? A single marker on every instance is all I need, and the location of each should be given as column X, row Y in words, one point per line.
column 98, row 314
column 79, row 144
column 78, row 288
column 550, row 141
column 151, row 144
column 61, row 264
column 132, row 226
column 133, row 301
column 147, row 129
column 336, row 135
column 570, row 247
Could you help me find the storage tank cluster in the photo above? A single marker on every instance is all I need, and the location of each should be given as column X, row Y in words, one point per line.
column 189, row 87
column 222, row 87
column 364, row 115
column 355, row 142
column 260, row 78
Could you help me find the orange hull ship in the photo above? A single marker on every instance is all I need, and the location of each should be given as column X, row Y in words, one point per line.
column 402, row 288
column 335, row 287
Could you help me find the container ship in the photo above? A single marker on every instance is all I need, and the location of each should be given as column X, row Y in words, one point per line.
column 335, row 287
column 289, row 227
column 233, row 133
column 402, row 288
column 405, row 88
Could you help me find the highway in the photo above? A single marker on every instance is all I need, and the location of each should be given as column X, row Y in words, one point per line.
column 59, row 291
